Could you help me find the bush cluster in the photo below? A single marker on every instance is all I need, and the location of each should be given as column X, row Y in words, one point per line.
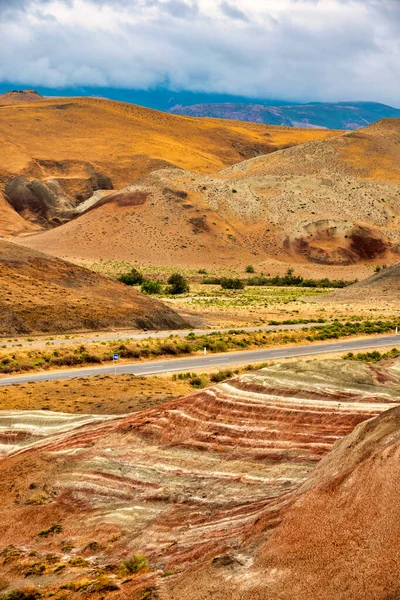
column 336, row 329
column 288, row 280
column 372, row 357
column 177, row 283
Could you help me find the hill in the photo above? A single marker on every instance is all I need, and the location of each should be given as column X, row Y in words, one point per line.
column 41, row 294
column 56, row 153
column 337, row 540
column 19, row 97
column 380, row 287
column 201, row 487
column 340, row 115
column 330, row 202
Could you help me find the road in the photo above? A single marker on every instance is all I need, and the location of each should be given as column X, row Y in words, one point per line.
column 135, row 335
column 212, row 360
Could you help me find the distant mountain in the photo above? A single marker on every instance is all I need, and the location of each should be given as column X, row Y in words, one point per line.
column 157, row 98
column 340, row 115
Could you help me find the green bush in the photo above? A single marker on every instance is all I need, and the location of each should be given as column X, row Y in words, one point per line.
column 27, row 593
column 136, row 563
column 134, row 277
column 380, row 268
column 178, row 284
column 249, row 269
column 221, row 376
column 52, row 530
column 232, row 284
column 149, row 286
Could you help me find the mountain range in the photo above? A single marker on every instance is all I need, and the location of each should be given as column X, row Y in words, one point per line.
column 328, row 115
column 340, row 115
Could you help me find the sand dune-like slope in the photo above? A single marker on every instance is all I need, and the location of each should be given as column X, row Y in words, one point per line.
column 39, row 293
column 199, row 483
column 55, row 153
column 330, row 202
column 380, row 287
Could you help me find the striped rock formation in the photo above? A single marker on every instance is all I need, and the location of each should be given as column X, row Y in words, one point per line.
column 206, row 478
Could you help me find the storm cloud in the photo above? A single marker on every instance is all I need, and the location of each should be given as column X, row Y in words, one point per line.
column 289, row 49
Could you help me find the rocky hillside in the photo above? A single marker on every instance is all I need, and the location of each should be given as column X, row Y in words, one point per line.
column 340, row 115
column 330, row 202
column 41, row 294
column 57, row 153
column 196, row 487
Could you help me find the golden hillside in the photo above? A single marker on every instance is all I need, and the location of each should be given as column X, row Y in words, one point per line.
column 70, row 147
column 40, row 294
column 309, row 203
column 19, row 97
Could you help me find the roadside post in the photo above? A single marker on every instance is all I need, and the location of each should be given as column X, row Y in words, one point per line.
column 115, row 359
column 205, row 350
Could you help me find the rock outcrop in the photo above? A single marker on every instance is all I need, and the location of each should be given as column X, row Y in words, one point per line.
column 201, row 486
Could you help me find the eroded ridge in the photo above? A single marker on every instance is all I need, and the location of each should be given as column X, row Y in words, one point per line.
column 210, row 474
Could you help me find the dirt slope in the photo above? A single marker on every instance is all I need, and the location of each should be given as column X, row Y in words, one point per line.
column 39, row 294
column 197, row 483
column 19, row 97
column 380, row 287
column 56, row 153
column 331, row 202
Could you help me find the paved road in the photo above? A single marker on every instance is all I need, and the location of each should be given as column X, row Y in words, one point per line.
column 212, row 360
column 142, row 335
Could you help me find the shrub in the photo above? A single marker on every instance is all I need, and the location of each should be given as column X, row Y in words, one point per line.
column 232, row 284
column 53, row 529
column 177, row 284
column 197, row 382
column 380, row 268
column 134, row 277
column 149, row 286
column 221, row 376
column 27, row 593
column 136, row 563
column 249, row 269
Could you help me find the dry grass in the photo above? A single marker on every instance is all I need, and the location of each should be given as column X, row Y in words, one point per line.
column 105, row 394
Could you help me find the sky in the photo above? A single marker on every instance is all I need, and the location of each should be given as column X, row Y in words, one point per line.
column 300, row 50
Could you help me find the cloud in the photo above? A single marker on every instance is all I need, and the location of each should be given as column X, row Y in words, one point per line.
column 232, row 12
column 287, row 49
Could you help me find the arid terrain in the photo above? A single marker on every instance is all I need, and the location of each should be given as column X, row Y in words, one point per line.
column 42, row 294
column 215, row 488
column 57, row 153
column 327, row 204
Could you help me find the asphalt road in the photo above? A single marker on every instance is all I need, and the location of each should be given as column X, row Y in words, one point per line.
column 212, row 360
column 138, row 335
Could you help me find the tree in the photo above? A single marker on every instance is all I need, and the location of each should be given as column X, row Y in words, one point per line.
column 134, row 277
column 177, row 284
column 149, row 286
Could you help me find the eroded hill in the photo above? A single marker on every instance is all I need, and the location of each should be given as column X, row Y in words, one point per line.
column 215, row 491
column 39, row 293
column 57, row 153
column 330, row 202
column 381, row 287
